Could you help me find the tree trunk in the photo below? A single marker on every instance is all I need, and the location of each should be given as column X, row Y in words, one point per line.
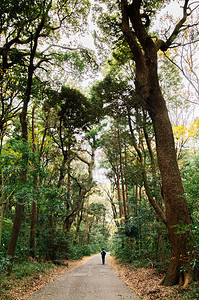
column 126, row 184
column 118, row 190
column 175, row 203
column 121, row 173
column 23, row 120
column 1, row 205
column 152, row 200
column 79, row 220
column 87, row 206
column 34, row 205
column 147, row 87
column 33, row 227
column 1, row 220
column 66, row 227
column 177, row 213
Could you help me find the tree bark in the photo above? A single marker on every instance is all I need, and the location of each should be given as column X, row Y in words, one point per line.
column 79, row 220
column 175, row 203
column 126, row 183
column 118, row 190
column 66, row 228
column 121, row 173
column 34, row 205
column 150, row 95
column 87, row 206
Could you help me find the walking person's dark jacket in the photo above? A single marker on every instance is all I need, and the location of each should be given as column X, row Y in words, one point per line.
column 103, row 254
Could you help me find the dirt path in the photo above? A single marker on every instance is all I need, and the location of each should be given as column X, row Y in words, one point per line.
column 89, row 281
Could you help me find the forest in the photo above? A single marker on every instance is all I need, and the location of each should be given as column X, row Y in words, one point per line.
column 99, row 135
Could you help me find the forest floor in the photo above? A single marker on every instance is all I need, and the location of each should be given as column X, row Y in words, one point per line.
column 145, row 282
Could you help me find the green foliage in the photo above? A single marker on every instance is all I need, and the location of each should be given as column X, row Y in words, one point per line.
column 4, row 262
column 21, row 271
column 75, row 109
column 121, row 249
column 191, row 292
column 27, row 268
column 191, row 178
column 78, row 251
column 142, row 240
column 81, row 62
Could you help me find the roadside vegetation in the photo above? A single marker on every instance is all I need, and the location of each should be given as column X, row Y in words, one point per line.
column 99, row 143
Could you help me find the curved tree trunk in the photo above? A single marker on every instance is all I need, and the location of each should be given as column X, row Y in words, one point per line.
column 150, row 95
column 175, row 203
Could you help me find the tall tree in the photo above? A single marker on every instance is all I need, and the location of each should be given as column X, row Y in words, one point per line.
column 135, row 24
column 23, row 120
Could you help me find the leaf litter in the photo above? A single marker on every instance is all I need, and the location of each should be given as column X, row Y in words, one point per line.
column 145, row 282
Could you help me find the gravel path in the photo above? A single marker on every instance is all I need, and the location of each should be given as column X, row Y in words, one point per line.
column 89, row 281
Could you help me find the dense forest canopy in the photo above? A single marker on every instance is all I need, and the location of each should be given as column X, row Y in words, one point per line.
column 100, row 87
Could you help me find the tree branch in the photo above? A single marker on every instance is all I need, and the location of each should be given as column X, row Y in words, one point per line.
column 165, row 45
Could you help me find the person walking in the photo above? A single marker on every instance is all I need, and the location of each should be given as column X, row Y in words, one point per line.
column 103, row 254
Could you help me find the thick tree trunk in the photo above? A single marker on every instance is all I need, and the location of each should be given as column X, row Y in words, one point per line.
column 177, row 213
column 150, row 95
column 175, row 203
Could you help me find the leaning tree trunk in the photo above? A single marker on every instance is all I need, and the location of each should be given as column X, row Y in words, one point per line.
column 147, row 87
column 177, row 213
column 175, row 203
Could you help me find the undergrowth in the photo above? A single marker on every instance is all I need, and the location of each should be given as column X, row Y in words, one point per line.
column 191, row 292
column 20, row 273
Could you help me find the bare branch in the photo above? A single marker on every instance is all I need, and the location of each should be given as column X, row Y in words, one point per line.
column 165, row 45
column 181, row 69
